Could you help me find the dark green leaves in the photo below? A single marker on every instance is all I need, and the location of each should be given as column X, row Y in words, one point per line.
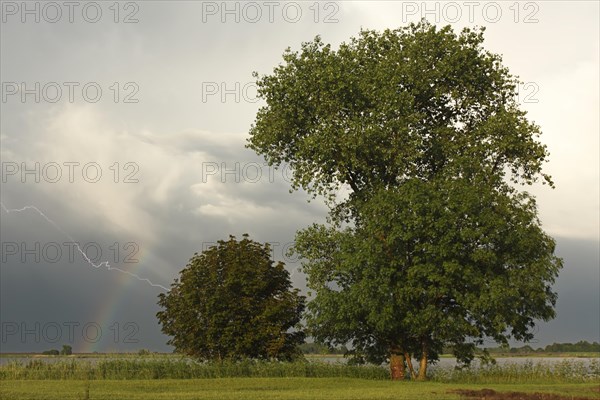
column 439, row 248
column 415, row 101
column 231, row 302
column 445, row 260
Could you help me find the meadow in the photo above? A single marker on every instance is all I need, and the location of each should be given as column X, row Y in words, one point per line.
column 272, row 388
column 160, row 377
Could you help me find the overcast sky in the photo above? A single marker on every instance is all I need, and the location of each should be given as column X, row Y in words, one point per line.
column 124, row 125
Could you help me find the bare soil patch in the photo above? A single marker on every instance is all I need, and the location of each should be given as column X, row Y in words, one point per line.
column 489, row 394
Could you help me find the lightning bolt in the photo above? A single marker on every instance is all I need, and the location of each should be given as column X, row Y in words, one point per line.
column 104, row 264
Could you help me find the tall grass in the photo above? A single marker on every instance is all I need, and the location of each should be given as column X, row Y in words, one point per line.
column 182, row 369
column 566, row 371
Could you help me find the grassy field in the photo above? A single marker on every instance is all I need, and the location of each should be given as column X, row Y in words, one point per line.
column 159, row 377
column 565, row 371
column 267, row 388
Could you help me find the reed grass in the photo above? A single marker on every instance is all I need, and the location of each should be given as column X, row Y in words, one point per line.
column 182, row 369
column 145, row 368
column 565, row 371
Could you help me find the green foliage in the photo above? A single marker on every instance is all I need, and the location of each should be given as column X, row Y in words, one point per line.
column 183, row 369
column 52, row 352
column 406, row 103
column 233, row 302
column 66, row 350
column 527, row 372
column 582, row 346
column 317, row 348
column 433, row 246
column 445, row 261
column 167, row 368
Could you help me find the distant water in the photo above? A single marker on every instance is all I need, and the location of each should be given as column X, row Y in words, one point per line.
column 25, row 360
column 91, row 360
column 451, row 362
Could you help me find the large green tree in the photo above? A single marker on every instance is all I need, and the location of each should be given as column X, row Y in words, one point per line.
column 433, row 245
column 232, row 302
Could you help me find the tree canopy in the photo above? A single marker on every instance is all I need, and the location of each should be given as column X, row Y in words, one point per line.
column 413, row 102
column 231, row 302
column 434, row 244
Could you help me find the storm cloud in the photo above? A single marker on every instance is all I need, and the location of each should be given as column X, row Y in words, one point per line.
column 128, row 134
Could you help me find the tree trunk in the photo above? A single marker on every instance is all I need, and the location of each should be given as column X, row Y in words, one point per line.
column 423, row 363
column 397, row 370
column 411, row 370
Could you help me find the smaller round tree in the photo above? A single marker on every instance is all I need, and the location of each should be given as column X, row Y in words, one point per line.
column 233, row 302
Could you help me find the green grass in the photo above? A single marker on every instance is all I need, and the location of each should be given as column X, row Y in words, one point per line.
column 566, row 371
column 159, row 377
column 177, row 368
column 263, row 389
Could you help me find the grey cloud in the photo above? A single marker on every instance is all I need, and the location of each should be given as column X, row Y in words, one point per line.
column 172, row 132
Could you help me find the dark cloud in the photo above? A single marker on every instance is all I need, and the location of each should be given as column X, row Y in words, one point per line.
column 176, row 135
